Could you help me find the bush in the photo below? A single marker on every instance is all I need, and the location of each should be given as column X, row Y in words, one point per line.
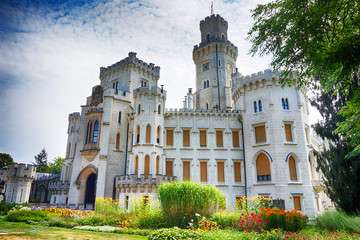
column 338, row 220
column 180, row 201
column 97, row 220
column 252, row 204
column 5, row 207
column 174, row 234
column 249, row 222
column 25, row 215
column 226, row 219
column 285, row 220
column 66, row 213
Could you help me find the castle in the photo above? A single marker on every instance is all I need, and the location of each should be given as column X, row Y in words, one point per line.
column 246, row 135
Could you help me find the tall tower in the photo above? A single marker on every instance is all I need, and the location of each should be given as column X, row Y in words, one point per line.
column 215, row 60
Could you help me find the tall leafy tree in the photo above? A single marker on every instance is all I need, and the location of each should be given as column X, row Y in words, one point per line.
column 5, row 159
column 41, row 161
column 56, row 165
column 315, row 38
column 342, row 174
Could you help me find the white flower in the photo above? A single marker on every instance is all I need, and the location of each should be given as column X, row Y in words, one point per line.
column 192, row 220
column 196, row 214
column 190, row 224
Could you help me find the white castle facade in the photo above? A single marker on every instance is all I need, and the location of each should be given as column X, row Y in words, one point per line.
column 245, row 135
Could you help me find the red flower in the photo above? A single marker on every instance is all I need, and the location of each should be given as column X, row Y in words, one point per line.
column 287, row 236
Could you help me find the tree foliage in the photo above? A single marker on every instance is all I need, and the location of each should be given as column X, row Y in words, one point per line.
column 342, row 174
column 5, row 159
column 315, row 38
column 56, row 165
column 41, row 161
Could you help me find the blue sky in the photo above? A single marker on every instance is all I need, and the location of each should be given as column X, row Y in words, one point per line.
column 51, row 52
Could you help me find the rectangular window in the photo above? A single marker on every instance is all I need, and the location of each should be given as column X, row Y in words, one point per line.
column 205, row 66
column 186, row 171
column 237, row 172
column 203, row 171
column 297, row 203
column 219, row 139
column 169, row 168
column 260, row 135
column 235, row 136
column 288, row 132
column 169, row 137
column 202, row 138
column 220, row 168
column 186, row 138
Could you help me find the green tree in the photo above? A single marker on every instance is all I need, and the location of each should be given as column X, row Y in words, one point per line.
column 5, row 159
column 41, row 161
column 342, row 174
column 315, row 38
column 56, row 165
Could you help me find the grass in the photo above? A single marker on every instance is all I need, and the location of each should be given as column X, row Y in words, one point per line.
column 19, row 230
column 338, row 220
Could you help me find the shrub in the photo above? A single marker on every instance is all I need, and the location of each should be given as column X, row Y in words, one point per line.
column 338, row 220
column 286, row 220
column 5, row 207
column 174, row 233
column 226, row 219
column 252, row 204
column 180, row 201
column 66, row 213
column 25, row 215
column 60, row 222
column 96, row 220
column 109, row 206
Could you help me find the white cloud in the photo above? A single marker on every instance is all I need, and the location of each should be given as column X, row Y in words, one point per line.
column 56, row 61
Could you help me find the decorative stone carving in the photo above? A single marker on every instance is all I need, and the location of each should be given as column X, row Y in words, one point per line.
column 97, row 96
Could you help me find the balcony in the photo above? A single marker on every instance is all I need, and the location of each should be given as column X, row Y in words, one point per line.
column 131, row 182
column 90, row 151
column 318, row 185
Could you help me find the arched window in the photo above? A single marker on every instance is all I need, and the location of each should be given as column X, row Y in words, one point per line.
column 69, row 150
column 159, row 109
column 138, row 134
column 147, row 165
column 157, row 164
column 204, row 84
column 96, row 132
column 206, row 105
column 158, row 135
column 208, row 37
column 255, row 107
column 148, row 133
column 136, row 164
column 74, row 150
column 88, row 132
column 139, row 109
column 260, row 106
column 207, row 83
column 117, row 141
column 286, row 104
column 292, row 169
column 119, row 119
column 263, row 168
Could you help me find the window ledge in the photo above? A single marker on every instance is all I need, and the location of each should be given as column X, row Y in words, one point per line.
column 169, row 148
column 148, row 144
column 295, row 183
column 263, row 183
column 236, row 149
column 261, row 144
column 238, row 185
column 220, row 149
column 186, row 148
column 290, row 143
column 117, row 150
column 203, row 149
column 221, row 185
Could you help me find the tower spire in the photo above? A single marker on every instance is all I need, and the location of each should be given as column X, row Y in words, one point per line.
column 212, row 8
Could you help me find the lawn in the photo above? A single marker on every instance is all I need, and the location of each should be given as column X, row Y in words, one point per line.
column 19, row 231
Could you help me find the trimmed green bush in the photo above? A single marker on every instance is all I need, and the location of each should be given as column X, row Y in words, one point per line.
column 338, row 220
column 174, row 234
column 226, row 219
column 182, row 201
column 5, row 207
column 25, row 215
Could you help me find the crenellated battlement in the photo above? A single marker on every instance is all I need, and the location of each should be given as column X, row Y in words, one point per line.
column 21, row 170
column 175, row 111
column 221, row 42
column 73, row 116
column 214, row 17
column 146, row 90
column 131, row 59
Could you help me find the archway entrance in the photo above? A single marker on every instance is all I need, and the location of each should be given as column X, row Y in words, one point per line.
column 90, row 189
